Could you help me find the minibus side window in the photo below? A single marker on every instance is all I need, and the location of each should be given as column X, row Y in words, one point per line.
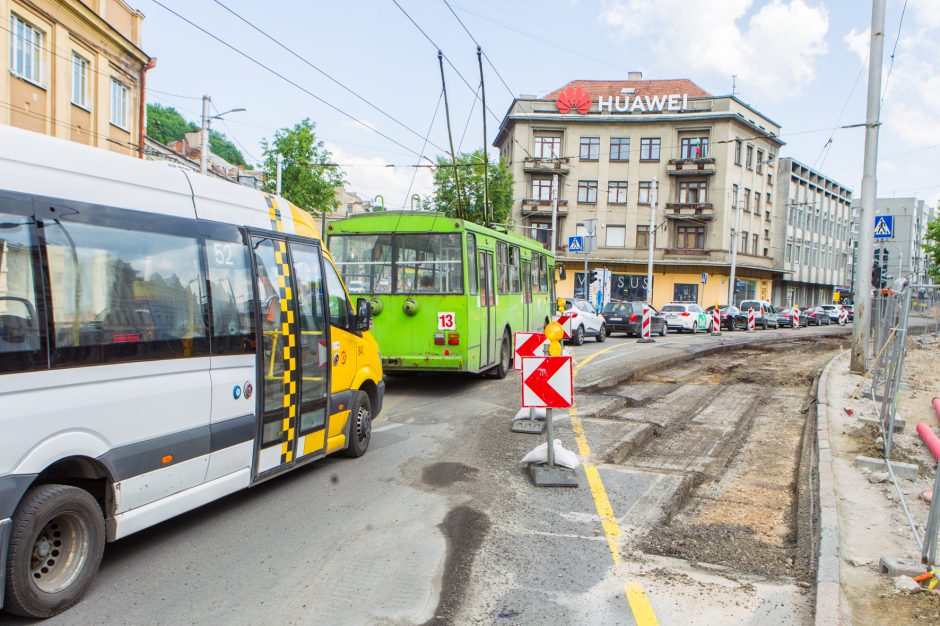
column 340, row 309
column 20, row 325
column 233, row 324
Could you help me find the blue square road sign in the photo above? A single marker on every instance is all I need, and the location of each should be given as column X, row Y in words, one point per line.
column 884, row 226
column 575, row 244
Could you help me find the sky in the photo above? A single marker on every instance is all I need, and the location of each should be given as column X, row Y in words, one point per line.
column 803, row 63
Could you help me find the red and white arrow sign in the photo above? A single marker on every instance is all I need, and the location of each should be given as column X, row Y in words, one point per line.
column 565, row 320
column 527, row 344
column 547, row 382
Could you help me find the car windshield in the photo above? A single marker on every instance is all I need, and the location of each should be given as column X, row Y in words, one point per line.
column 750, row 304
column 618, row 308
column 673, row 308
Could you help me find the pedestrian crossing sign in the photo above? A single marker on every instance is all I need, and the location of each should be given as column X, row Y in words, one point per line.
column 575, row 244
column 884, row 226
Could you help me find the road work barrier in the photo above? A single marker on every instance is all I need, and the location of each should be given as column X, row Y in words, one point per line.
column 646, row 326
column 548, row 383
column 796, row 318
column 751, row 326
column 528, row 345
column 716, row 322
column 843, row 317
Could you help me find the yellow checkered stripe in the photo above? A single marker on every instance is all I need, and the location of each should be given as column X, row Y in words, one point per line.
column 289, row 350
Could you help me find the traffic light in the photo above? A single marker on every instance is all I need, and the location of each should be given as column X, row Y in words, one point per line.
column 877, row 275
column 593, row 276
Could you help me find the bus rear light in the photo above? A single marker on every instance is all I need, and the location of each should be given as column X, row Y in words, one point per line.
column 446, row 352
column 126, row 338
column 438, row 339
column 453, row 339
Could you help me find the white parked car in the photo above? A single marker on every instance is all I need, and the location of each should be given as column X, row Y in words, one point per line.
column 834, row 311
column 685, row 316
column 585, row 321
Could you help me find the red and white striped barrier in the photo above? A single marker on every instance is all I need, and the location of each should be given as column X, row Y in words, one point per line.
column 716, row 322
column 796, row 318
column 646, row 326
column 751, row 325
column 843, row 317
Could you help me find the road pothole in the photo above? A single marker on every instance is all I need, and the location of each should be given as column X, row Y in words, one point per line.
column 447, row 473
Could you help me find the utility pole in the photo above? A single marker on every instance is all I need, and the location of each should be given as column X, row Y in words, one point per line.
column 204, row 137
column 280, row 162
column 862, row 296
column 651, row 232
column 555, row 191
column 734, row 238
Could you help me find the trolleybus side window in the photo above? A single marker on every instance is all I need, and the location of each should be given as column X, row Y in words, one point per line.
column 120, row 294
column 314, row 355
column 533, row 277
column 515, row 284
column 20, row 327
column 502, row 267
column 472, row 264
column 233, row 324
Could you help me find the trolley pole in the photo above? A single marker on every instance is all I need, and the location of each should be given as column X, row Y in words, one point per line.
column 861, row 332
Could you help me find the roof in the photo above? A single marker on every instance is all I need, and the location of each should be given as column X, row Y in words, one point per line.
column 666, row 87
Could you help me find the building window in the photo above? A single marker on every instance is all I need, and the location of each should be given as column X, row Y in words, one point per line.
column 694, row 148
column 760, row 162
column 79, row 81
column 754, row 244
column 796, row 257
column 617, row 192
column 616, row 236
column 749, row 164
column 619, row 148
column 649, row 148
column 690, row 237
column 542, row 189
column 734, row 196
column 806, row 254
column 542, row 233
column 747, row 200
column 770, row 179
column 590, row 148
column 644, row 196
column 737, row 152
column 25, row 50
column 692, row 192
column 587, row 191
column 119, row 102
column 789, row 253
column 643, row 236
column 757, row 203
column 547, row 146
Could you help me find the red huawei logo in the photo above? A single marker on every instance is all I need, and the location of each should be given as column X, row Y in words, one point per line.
column 573, row 98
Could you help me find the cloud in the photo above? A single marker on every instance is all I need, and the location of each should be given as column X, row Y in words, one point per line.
column 773, row 52
column 369, row 176
column 858, row 41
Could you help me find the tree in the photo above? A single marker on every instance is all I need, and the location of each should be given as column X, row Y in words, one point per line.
column 166, row 125
column 307, row 177
column 932, row 247
column 470, row 171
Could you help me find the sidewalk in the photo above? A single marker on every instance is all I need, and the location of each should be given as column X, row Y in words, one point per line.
column 861, row 517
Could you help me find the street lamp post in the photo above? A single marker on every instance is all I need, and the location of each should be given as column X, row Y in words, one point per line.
column 204, row 132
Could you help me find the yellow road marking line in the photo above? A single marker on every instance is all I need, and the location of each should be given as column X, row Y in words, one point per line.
column 636, row 596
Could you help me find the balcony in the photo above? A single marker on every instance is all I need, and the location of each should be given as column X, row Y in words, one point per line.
column 690, row 210
column 536, row 165
column 691, row 167
column 687, row 252
column 532, row 207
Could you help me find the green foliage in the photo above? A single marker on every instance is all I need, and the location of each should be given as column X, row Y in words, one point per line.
column 307, row 179
column 221, row 146
column 166, row 125
column 470, row 171
column 932, row 247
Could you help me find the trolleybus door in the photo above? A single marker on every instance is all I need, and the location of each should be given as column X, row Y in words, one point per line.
column 487, row 307
column 292, row 371
column 527, row 295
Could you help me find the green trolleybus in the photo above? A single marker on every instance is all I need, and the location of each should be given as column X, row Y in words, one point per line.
column 447, row 294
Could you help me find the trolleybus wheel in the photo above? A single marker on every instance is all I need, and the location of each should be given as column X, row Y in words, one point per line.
column 56, row 546
column 505, row 358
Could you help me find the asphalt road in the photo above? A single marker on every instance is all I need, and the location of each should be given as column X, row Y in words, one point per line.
column 438, row 523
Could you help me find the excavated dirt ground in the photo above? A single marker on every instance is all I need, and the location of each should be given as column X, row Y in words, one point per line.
column 737, row 425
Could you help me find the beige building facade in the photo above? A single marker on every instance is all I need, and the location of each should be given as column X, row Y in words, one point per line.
column 74, row 69
column 619, row 146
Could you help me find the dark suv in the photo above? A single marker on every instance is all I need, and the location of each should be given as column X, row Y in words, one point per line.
column 627, row 317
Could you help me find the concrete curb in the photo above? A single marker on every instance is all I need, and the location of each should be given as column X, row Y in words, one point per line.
column 828, row 584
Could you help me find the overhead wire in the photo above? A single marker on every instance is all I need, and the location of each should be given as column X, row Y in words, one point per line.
column 274, row 72
column 430, row 128
column 894, row 51
column 828, row 145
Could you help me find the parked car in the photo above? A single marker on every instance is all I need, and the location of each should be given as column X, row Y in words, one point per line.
column 833, row 311
column 816, row 316
column 765, row 315
column 685, row 316
column 627, row 317
column 732, row 318
column 788, row 317
column 585, row 321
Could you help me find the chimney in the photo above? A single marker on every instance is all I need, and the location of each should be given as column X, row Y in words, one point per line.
column 634, row 75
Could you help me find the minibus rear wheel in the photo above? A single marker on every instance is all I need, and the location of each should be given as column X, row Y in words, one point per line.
column 56, row 546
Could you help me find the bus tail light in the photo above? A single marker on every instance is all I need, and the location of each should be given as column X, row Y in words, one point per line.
column 438, row 339
column 453, row 339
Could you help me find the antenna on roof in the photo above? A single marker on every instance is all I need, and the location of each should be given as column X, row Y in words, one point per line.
column 734, row 82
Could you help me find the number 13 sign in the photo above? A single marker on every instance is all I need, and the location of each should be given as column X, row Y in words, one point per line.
column 445, row 321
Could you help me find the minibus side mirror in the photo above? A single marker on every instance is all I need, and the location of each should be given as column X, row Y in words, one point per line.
column 363, row 314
